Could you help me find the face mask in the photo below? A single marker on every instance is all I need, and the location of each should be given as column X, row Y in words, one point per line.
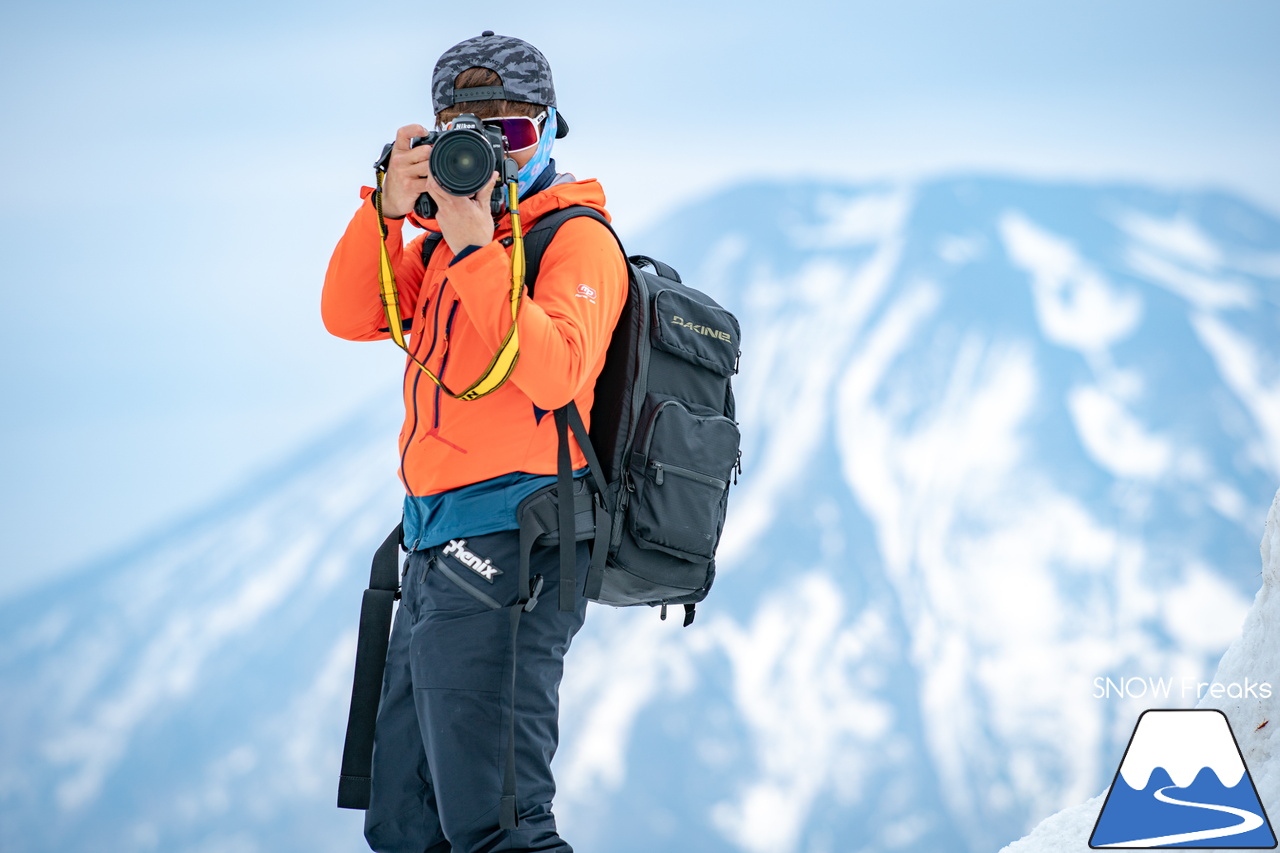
column 530, row 171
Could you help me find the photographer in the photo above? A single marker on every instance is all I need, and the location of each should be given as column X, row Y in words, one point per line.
column 453, row 678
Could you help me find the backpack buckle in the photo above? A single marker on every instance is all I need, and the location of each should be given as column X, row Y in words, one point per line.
column 535, row 589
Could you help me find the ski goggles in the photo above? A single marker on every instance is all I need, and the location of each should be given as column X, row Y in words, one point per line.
column 521, row 131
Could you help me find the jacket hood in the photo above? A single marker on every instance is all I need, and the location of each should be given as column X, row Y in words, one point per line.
column 564, row 192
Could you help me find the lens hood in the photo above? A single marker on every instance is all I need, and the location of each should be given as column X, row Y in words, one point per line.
column 462, row 161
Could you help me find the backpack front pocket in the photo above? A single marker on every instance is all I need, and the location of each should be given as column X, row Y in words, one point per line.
column 680, row 476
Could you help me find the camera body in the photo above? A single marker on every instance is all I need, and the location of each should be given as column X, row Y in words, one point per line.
column 462, row 160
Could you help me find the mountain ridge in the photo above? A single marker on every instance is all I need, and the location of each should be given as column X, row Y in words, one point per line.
column 975, row 477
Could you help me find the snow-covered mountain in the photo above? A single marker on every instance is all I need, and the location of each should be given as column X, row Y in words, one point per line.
column 1001, row 439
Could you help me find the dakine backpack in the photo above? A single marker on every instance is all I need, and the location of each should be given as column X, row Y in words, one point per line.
column 665, row 441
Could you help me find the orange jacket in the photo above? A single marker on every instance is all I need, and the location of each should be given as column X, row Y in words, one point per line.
column 460, row 315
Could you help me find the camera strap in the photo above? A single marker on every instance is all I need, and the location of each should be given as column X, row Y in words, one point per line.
column 504, row 360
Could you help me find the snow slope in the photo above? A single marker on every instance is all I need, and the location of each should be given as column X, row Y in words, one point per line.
column 1001, row 438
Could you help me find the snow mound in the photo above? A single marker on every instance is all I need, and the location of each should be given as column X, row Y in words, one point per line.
column 1256, row 652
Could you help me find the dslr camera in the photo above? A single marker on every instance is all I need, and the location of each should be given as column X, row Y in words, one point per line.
column 462, row 160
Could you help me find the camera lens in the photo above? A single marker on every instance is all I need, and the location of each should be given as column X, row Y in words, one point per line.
column 462, row 161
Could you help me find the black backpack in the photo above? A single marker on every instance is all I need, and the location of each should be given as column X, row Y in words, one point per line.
column 663, row 433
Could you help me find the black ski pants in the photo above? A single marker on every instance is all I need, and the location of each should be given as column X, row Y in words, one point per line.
column 443, row 723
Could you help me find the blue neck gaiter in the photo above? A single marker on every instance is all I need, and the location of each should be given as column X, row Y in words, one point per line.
column 530, row 171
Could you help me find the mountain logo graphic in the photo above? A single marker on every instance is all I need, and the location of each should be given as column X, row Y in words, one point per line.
column 1182, row 783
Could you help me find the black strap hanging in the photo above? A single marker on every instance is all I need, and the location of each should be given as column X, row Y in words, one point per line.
column 371, row 659
column 564, row 490
column 531, row 527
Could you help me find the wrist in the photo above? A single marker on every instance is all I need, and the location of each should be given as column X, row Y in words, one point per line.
column 391, row 225
column 391, row 209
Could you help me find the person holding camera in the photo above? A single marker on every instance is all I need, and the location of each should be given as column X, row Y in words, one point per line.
column 475, row 662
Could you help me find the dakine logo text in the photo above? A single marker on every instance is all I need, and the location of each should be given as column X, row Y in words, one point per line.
column 701, row 330
column 457, row 548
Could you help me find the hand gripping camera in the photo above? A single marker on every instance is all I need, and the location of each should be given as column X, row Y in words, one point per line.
column 462, row 159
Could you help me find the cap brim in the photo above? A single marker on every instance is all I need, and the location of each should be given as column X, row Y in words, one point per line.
column 562, row 126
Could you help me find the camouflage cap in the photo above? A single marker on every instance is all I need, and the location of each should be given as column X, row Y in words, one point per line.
column 525, row 73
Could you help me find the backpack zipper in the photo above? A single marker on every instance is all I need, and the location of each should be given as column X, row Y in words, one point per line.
column 653, row 419
column 660, row 467
column 640, row 383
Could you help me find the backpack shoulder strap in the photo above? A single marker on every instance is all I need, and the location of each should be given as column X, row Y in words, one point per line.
column 429, row 244
column 544, row 230
column 568, row 418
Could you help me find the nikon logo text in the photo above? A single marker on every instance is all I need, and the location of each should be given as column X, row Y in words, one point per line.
column 457, row 548
column 701, row 330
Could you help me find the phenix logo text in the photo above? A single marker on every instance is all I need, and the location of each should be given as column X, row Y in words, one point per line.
column 457, row 548
column 702, row 330
column 1163, row 688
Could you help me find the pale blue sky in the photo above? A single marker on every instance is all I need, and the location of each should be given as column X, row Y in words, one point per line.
column 175, row 175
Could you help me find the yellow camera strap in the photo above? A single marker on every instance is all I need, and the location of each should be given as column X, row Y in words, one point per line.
column 504, row 361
